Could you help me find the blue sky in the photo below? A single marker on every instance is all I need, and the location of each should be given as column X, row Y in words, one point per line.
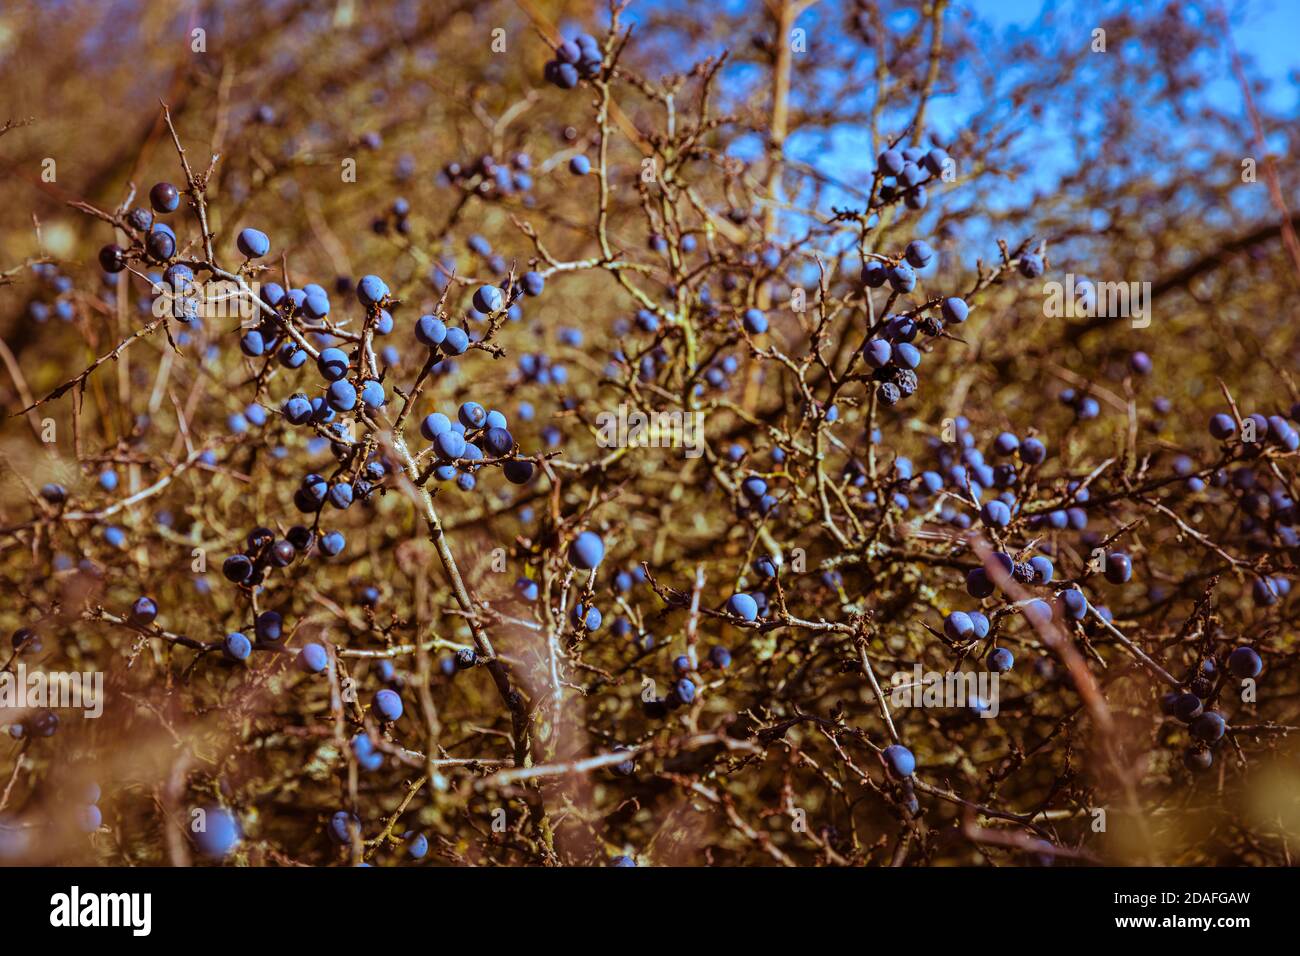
column 1265, row 30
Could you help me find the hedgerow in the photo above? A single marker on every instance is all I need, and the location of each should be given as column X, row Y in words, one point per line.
column 777, row 434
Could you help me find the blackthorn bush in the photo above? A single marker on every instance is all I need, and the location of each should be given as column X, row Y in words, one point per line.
column 628, row 448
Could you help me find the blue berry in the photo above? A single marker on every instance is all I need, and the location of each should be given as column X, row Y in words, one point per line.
column 218, row 834
column 1222, row 426
column 371, row 290
column 333, row 364
column 899, row 328
column 935, row 160
column 753, row 487
column 562, row 74
column 161, row 242
column 433, row 425
column 253, row 243
column 906, row 355
column 958, row 626
column 112, row 258
column 1032, row 451
column 237, row 568
column 1265, row 591
column 875, row 274
column 1186, row 707
column 488, row 299
column 588, row 617
column 1042, row 568
column 532, row 283
column 1073, row 604
column 388, row 705
column 1244, row 662
column 237, row 646
column 1037, row 612
column 1006, row 444
column 978, row 583
column 877, row 353
column 291, row 356
column 90, row 818
column 890, row 162
column 1197, row 759
column 995, row 514
column 455, row 342
column 252, row 343
column 316, row 304
column 472, row 415
column 918, row 253
column 143, row 612
column 364, row 750
column 54, row 494
column 343, row 825
column 902, row 278
column 684, row 690
column 1208, row 727
column 417, row 845
column 430, row 331
column 518, row 472
column 164, row 197
column 450, row 444
column 45, row 723
column 269, row 626
column 498, row 441
column 900, row 760
column 313, row 658
column 1119, row 567
column 372, row 394
column 272, row 293
column 954, row 310
column 586, row 551
column 743, row 606
column 341, row 395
